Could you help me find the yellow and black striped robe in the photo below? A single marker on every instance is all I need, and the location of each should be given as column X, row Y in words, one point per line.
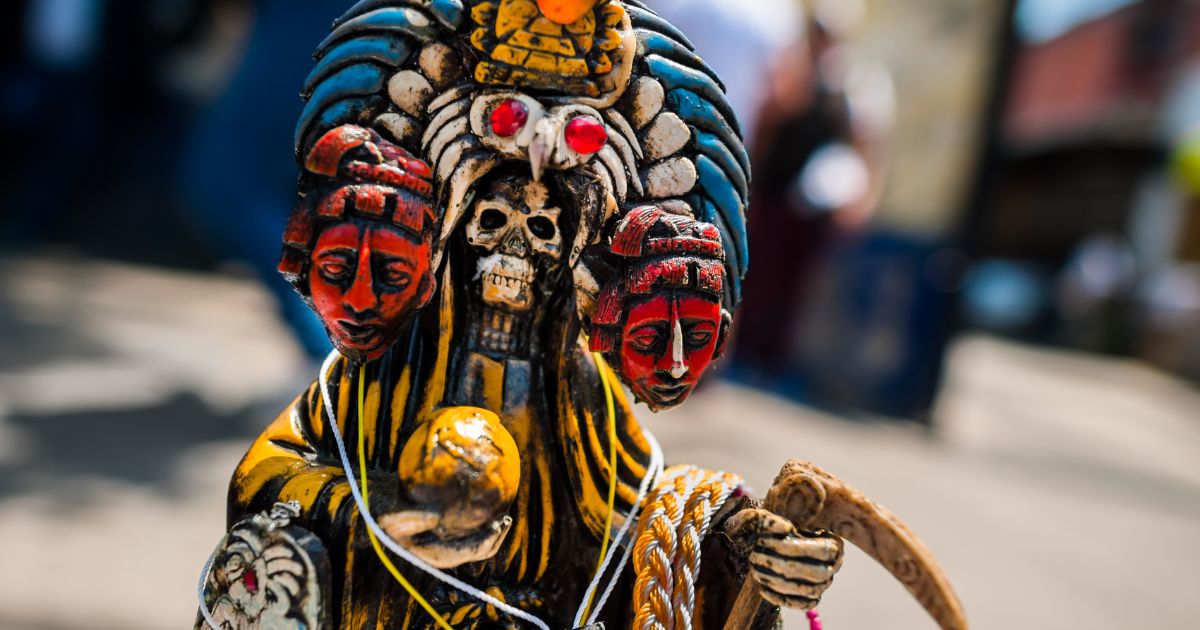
column 560, row 511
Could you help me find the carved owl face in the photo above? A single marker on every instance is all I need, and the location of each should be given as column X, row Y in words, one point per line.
column 469, row 137
column 560, row 137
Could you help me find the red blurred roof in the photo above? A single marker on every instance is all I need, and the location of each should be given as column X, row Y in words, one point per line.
column 1106, row 76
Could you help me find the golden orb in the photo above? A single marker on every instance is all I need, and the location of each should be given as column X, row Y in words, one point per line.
column 463, row 464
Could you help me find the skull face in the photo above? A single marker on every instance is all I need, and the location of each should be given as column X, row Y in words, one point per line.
column 515, row 227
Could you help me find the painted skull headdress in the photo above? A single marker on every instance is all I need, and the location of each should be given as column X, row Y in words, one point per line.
column 602, row 89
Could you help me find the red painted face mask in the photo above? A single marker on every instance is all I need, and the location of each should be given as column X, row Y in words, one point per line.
column 365, row 281
column 667, row 343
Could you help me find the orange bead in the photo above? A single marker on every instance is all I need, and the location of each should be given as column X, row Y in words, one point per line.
column 565, row 11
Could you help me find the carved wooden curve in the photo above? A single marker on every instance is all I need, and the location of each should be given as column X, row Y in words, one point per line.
column 813, row 499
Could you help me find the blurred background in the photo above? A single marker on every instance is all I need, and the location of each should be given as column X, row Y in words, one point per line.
column 975, row 292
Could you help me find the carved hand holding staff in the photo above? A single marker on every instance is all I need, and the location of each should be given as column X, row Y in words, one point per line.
column 814, row 500
column 499, row 199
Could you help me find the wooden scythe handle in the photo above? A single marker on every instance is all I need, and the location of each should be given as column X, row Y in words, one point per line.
column 813, row 499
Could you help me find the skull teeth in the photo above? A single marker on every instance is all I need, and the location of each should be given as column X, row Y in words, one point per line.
column 505, row 281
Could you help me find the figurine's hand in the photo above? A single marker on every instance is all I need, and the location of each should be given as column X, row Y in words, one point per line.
column 418, row 531
column 793, row 568
column 460, row 472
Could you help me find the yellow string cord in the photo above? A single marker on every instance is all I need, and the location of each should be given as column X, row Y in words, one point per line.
column 612, row 468
column 387, row 562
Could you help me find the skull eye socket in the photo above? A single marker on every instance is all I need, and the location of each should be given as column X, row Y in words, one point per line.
column 541, row 227
column 492, row 219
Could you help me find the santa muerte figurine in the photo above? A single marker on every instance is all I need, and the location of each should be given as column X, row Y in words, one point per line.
column 508, row 209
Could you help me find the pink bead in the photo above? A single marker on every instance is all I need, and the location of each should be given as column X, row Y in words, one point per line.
column 814, row 620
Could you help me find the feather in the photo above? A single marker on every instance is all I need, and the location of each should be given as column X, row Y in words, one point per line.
column 448, row 161
column 361, row 79
column 702, row 114
column 448, row 12
column 403, row 20
column 655, row 43
column 641, row 17
column 716, row 187
column 458, row 128
column 625, row 150
column 627, row 134
column 381, row 49
column 734, row 269
column 675, row 75
column 469, row 164
column 712, row 147
column 319, row 116
column 616, row 170
column 606, row 181
column 443, row 117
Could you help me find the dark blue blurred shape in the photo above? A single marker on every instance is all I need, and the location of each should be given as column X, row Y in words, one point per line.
column 240, row 175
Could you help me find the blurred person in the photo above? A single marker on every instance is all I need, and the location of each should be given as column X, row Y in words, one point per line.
column 112, row 86
column 178, row 109
column 240, row 185
column 818, row 173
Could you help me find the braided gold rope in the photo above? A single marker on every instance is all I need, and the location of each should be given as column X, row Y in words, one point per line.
column 653, row 552
column 706, row 499
column 666, row 552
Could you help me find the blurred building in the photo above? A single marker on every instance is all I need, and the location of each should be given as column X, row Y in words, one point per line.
column 1092, row 235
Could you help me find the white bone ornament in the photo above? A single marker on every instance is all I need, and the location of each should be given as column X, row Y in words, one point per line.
column 678, row 367
column 440, row 63
column 647, row 101
column 400, row 127
column 410, row 91
column 665, row 136
column 671, row 178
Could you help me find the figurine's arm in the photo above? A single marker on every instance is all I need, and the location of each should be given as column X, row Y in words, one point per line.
column 291, row 461
column 296, row 459
column 726, row 566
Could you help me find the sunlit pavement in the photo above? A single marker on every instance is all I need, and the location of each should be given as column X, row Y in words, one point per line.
column 1058, row 490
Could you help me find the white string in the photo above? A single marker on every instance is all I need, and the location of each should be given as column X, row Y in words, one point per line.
column 387, row 541
column 653, row 470
column 691, row 571
column 204, row 612
column 629, row 548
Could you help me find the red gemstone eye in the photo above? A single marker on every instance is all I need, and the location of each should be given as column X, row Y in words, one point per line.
column 585, row 135
column 250, row 581
column 509, row 118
